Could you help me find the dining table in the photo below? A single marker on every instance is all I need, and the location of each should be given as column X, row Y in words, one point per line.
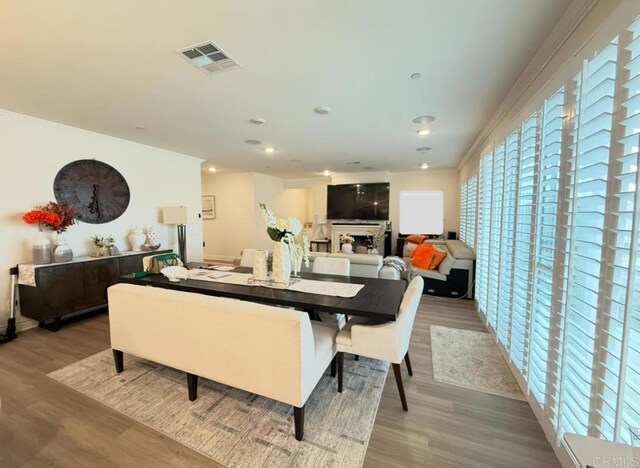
column 378, row 299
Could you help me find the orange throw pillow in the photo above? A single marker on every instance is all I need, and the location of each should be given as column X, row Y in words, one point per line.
column 423, row 256
column 438, row 256
column 423, row 246
column 415, row 239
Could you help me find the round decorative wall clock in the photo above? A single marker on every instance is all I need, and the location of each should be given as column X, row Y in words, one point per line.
column 96, row 191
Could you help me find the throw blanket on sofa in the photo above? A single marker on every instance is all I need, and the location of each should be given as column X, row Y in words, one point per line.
column 395, row 262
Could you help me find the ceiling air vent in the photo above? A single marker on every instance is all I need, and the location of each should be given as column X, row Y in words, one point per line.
column 209, row 58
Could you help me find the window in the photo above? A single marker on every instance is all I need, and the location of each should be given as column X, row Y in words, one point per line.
column 558, row 246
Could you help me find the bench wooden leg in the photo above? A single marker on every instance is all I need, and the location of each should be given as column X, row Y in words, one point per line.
column 333, row 366
column 118, row 359
column 192, row 385
column 397, row 372
column 340, row 362
column 408, row 361
column 298, row 419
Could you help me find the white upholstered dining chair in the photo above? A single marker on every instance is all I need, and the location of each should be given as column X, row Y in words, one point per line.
column 387, row 342
column 246, row 257
column 332, row 266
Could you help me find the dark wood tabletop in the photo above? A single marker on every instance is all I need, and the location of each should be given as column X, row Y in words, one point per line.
column 379, row 299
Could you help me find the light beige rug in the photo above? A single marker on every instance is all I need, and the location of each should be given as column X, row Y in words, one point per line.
column 472, row 360
column 234, row 427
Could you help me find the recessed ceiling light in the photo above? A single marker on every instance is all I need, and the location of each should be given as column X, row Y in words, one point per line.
column 269, row 149
column 424, row 166
column 212, row 169
column 416, row 76
column 258, row 121
column 424, row 148
column 423, row 132
column 327, row 172
column 424, row 119
column 323, row 110
column 140, row 128
column 253, row 142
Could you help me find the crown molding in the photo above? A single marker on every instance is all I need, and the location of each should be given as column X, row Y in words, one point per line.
column 564, row 28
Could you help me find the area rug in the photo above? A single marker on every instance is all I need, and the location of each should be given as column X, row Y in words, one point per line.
column 233, row 427
column 472, row 360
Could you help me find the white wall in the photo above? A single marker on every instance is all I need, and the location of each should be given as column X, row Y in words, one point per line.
column 234, row 226
column 32, row 151
column 446, row 182
column 239, row 223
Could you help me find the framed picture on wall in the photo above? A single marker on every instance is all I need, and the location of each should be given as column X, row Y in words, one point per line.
column 208, row 207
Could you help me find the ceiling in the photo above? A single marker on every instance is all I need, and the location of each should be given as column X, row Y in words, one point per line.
column 111, row 66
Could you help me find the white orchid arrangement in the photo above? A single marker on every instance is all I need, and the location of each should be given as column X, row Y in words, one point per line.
column 347, row 239
column 285, row 230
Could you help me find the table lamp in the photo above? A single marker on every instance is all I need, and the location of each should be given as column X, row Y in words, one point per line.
column 178, row 215
column 321, row 220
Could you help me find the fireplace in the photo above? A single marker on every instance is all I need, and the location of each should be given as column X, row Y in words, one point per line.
column 360, row 232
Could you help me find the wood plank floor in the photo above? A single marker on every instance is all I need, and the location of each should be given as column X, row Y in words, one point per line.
column 44, row 423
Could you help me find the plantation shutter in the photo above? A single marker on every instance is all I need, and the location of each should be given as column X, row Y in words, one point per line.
column 463, row 212
column 589, row 174
column 623, row 346
column 507, row 243
column 544, row 260
column 484, row 230
column 472, row 206
column 495, row 231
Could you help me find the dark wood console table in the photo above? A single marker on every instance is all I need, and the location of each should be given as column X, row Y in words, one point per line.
column 74, row 287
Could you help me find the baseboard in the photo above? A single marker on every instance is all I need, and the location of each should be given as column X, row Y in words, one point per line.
column 22, row 324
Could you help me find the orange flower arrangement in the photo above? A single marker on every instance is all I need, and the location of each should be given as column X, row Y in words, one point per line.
column 55, row 216
column 43, row 218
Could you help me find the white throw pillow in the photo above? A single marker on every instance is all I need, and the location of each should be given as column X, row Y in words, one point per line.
column 446, row 264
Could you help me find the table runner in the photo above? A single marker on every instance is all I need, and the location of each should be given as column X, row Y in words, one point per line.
column 328, row 288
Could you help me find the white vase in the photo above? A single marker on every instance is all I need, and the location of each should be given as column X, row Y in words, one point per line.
column 137, row 239
column 153, row 238
column 62, row 252
column 260, row 268
column 41, row 249
column 281, row 263
column 347, row 248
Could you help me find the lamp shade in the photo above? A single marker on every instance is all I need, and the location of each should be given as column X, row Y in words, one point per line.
column 321, row 219
column 174, row 215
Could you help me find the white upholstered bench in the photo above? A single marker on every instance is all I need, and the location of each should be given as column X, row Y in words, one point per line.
column 274, row 352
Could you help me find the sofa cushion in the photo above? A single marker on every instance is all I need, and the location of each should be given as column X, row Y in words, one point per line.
column 416, row 238
column 422, row 256
column 447, row 264
column 439, row 253
column 408, row 249
column 459, row 250
column 433, row 274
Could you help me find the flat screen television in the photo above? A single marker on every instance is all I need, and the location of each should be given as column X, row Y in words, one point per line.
column 358, row 202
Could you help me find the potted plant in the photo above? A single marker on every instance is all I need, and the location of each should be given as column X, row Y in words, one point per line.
column 104, row 246
column 346, row 240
